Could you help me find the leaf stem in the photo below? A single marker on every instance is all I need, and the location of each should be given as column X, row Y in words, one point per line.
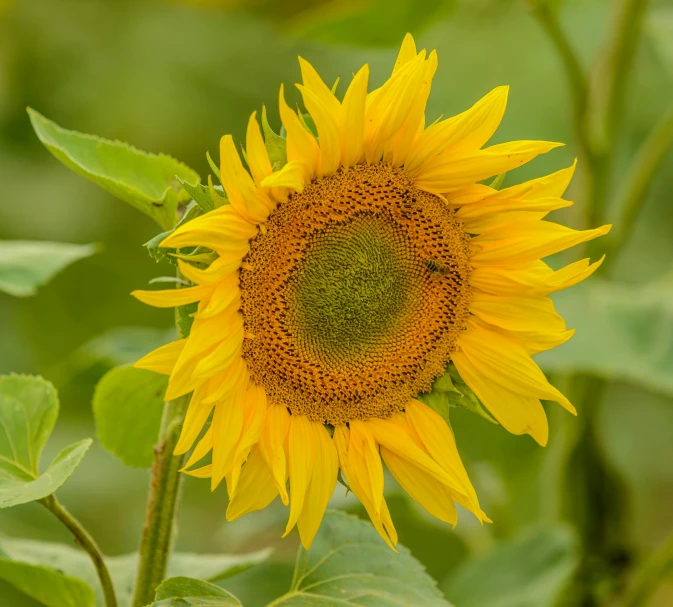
column 649, row 575
column 162, row 505
column 85, row 540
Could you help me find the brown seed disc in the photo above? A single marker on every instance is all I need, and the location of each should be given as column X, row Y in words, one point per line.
column 354, row 296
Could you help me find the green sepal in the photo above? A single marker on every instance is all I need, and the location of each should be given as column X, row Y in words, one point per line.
column 160, row 254
column 275, row 144
column 449, row 390
column 496, row 184
column 213, row 167
column 308, row 123
column 184, row 317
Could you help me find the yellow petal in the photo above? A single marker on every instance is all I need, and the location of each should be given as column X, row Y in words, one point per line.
column 328, row 131
column 407, row 52
column 518, row 414
column 365, row 462
column 227, row 425
column 203, row 447
column 204, row 472
column 467, row 131
column 522, row 241
column 249, row 202
column 301, row 444
column 321, row 487
column 314, row 83
column 256, row 488
column 353, row 122
column 506, row 363
column 170, row 298
column 224, row 354
column 423, row 488
column 456, row 168
column 440, row 443
column 272, row 444
column 163, row 359
column 536, row 342
column 291, row 176
column 527, row 313
column 195, row 418
column 255, row 151
column 301, row 145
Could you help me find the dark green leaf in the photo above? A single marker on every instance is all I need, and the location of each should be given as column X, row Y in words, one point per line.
column 127, row 407
column 530, row 571
column 28, row 410
column 149, row 182
column 48, row 586
column 25, row 265
column 188, row 592
column 74, row 562
column 350, row 564
column 623, row 332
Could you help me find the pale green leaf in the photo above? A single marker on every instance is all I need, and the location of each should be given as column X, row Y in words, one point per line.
column 188, row 592
column 25, row 265
column 74, row 562
column 275, row 144
column 659, row 26
column 349, row 564
column 127, row 408
column 624, row 332
column 149, row 182
column 47, row 586
column 530, row 571
column 28, row 410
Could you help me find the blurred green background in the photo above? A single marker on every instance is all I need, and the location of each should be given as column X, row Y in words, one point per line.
column 173, row 77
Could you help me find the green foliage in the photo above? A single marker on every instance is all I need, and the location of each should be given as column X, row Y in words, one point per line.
column 149, row 182
column 351, row 22
column 349, row 562
column 48, row 586
column 530, row 571
column 276, row 147
column 25, row 265
column 72, row 562
column 449, row 390
column 623, row 332
column 28, row 410
column 659, row 26
column 127, row 407
column 185, row 592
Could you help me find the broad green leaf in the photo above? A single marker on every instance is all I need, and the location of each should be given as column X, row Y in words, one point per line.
column 659, row 26
column 74, row 562
column 449, row 390
column 186, row 592
column 127, row 407
column 349, row 563
column 530, row 571
column 48, row 586
column 351, row 22
column 623, row 332
column 149, row 182
column 26, row 265
column 28, row 410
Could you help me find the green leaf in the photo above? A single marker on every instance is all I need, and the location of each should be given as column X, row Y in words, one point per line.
column 149, row 182
column 200, row 195
column 127, row 408
column 623, row 332
column 449, row 390
column 25, row 265
column 351, row 22
column 350, row 564
column 275, row 144
column 530, row 571
column 659, row 26
column 71, row 561
column 185, row 592
column 28, row 410
column 48, row 586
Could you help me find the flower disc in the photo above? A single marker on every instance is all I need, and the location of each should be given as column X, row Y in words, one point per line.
column 355, row 294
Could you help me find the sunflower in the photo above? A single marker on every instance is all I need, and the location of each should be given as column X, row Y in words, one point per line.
column 348, row 274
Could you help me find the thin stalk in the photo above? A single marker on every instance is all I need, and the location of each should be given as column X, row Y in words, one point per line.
column 647, row 161
column 85, row 540
column 162, row 504
column 649, row 575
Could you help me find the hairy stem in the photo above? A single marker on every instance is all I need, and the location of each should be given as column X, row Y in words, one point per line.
column 649, row 575
column 162, row 504
column 85, row 540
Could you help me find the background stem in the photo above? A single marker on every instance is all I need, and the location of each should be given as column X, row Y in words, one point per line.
column 649, row 575
column 85, row 540
column 162, row 503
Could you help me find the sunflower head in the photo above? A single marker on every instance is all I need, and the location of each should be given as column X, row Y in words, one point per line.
column 346, row 278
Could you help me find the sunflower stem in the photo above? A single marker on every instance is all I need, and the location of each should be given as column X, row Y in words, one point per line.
column 84, row 539
column 162, row 505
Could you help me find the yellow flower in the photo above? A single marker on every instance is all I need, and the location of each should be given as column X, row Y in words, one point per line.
column 346, row 281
